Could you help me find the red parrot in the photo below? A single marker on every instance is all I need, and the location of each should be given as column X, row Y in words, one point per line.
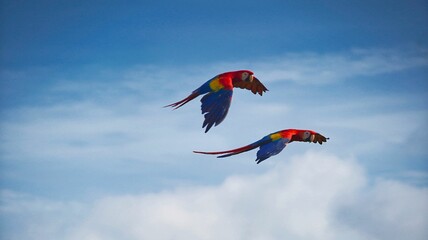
column 218, row 90
column 273, row 143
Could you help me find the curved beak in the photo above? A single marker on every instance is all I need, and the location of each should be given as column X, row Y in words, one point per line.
column 251, row 78
column 312, row 138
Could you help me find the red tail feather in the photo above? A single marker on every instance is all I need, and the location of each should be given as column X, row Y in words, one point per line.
column 184, row 101
column 230, row 152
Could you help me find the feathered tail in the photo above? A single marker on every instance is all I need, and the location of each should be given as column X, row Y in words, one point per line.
column 235, row 151
column 184, row 101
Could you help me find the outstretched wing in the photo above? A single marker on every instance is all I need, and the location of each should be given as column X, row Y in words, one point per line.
column 215, row 106
column 254, row 86
column 270, row 149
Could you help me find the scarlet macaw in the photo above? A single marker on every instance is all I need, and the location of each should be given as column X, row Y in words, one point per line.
column 218, row 90
column 273, row 143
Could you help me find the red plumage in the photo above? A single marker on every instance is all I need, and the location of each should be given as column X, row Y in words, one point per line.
column 273, row 143
column 218, row 94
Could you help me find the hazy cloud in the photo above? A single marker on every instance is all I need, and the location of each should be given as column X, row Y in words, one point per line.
column 314, row 196
column 315, row 68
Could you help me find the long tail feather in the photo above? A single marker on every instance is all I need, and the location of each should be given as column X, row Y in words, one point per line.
column 184, row 101
column 235, row 151
column 230, row 152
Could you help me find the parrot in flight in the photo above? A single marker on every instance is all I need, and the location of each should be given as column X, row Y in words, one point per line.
column 218, row 94
column 273, row 143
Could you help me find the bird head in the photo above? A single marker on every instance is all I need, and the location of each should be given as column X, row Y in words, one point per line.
column 246, row 75
column 307, row 136
column 311, row 136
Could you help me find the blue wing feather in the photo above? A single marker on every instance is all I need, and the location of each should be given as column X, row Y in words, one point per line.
column 215, row 106
column 271, row 149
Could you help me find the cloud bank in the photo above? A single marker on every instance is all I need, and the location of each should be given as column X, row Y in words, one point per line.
column 314, row 196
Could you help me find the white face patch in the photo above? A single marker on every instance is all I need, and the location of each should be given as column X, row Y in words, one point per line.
column 306, row 135
column 244, row 76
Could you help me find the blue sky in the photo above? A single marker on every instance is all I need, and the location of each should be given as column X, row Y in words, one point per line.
column 84, row 135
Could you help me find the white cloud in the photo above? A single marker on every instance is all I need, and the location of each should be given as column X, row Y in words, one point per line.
column 23, row 216
column 314, row 68
column 314, row 196
column 391, row 210
column 92, row 131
